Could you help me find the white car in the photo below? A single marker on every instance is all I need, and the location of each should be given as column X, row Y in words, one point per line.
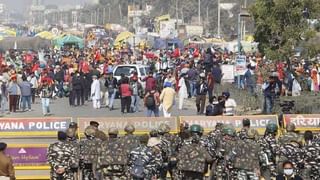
column 128, row 69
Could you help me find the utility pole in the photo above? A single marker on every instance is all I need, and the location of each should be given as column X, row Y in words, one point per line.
column 104, row 16
column 219, row 18
column 177, row 11
column 120, row 14
column 97, row 16
column 199, row 12
column 109, row 11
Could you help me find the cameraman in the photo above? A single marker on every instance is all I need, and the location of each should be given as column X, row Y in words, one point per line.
column 271, row 90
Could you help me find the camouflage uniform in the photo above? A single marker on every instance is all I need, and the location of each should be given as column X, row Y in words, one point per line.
column 290, row 135
column 112, row 158
column 61, row 155
column 169, row 145
column 89, row 155
column 193, row 160
column 293, row 152
column 243, row 133
column 312, row 160
column 142, row 157
column 74, row 143
column 131, row 142
column 269, row 147
column 247, row 161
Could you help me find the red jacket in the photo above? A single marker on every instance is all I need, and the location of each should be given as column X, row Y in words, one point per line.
column 150, row 83
column 125, row 90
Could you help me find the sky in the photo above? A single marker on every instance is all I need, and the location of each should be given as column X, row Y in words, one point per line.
column 20, row 5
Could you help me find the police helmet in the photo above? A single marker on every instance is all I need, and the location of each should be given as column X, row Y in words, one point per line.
column 164, row 128
column 271, row 128
column 153, row 133
column 113, row 131
column 90, row 131
column 229, row 130
column 252, row 134
column 290, row 127
column 196, row 128
column 246, row 122
column 129, row 128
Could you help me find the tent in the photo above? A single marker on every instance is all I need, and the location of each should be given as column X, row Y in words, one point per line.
column 123, row 36
column 69, row 39
column 167, row 43
column 46, row 35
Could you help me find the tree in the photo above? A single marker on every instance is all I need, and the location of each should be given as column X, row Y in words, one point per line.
column 281, row 25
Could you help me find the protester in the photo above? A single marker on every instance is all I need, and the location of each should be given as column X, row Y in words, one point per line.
column 14, row 92
column 46, row 92
column 201, row 90
column 183, row 92
column 25, row 88
column 167, row 99
column 137, row 92
column 230, row 104
column 152, row 102
column 95, row 92
column 125, row 95
column 111, row 84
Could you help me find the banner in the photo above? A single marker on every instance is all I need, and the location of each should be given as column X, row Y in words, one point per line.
column 303, row 121
column 228, row 73
column 28, row 155
column 141, row 124
column 241, row 65
column 209, row 122
column 21, row 127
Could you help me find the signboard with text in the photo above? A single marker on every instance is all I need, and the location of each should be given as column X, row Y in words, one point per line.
column 303, row 121
column 228, row 73
column 209, row 122
column 21, row 127
column 142, row 124
column 241, row 65
column 28, row 155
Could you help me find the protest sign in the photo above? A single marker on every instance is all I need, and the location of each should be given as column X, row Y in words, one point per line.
column 142, row 124
column 209, row 122
column 241, row 65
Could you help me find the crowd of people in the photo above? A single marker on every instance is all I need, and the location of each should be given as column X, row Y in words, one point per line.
column 87, row 74
column 191, row 154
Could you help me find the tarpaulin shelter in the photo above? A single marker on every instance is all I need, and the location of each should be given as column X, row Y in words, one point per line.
column 46, row 35
column 122, row 36
column 69, row 40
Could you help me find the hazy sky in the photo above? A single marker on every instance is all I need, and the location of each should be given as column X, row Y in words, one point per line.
column 20, row 5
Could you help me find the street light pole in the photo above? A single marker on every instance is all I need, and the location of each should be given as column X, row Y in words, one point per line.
column 199, row 12
column 219, row 18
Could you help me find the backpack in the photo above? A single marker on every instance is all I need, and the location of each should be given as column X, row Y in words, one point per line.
column 137, row 170
column 150, row 101
column 192, row 159
column 115, row 153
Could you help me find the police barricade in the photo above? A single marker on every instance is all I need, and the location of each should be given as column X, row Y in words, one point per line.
column 142, row 124
column 28, row 140
column 258, row 122
column 303, row 122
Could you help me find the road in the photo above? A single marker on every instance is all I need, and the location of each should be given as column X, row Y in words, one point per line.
column 61, row 108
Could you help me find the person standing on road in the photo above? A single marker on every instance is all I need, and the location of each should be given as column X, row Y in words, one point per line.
column 152, row 102
column 59, row 78
column 111, row 84
column 167, row 99
column 25, row 88
column 78, row 89
column 201, row 89
column 33, row 80
column 46, row 92
column 183, row 92
column 137, row 92
column 14, row 92
column 103, row 90
column 95, row 92
column 3, row 95
column 125, row 95
column 6, row 164
column 150, row 82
